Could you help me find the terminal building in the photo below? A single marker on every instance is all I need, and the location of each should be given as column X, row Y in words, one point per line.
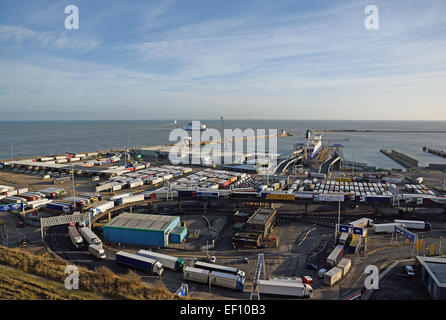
column 433, row 275
column 261, row 221
column 145, row 230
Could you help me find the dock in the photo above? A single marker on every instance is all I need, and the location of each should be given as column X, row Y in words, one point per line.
column 400, row 158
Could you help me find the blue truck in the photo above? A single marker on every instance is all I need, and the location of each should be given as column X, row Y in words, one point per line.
column 378, row 199
column 139, row 262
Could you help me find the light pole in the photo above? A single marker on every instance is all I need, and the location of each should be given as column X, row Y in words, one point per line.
column 72, row 172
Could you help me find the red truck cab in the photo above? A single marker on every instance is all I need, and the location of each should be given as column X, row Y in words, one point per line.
column 308, row 280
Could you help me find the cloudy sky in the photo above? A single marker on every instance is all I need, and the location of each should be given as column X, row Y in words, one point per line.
column 250, row 59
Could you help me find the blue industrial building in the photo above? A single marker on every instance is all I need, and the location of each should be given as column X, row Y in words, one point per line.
column 433, row 275
column 144, row 229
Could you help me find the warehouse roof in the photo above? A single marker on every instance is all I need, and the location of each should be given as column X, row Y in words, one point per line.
column 141, row 221
column 436, row 267
column 261, row 216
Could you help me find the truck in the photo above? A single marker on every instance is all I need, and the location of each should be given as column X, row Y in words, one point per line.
column 196, row 274
column 139, row 262
column 362, row 223
column 386, row 227
column 412, row 224
column 131, row 199
column 89, row 236
column 96, row 251
column 101, row 207
column 285, row 288
column 377, row 199
column 59, row 206
column 345, row 265
column 332, row 276
column 227, row 280
column 170, row 262
column 335, row 256
column 343, row 238
column 329, row 197
column 419, row 180
column 75, row 237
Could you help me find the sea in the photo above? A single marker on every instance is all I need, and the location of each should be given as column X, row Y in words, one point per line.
column 21, row 139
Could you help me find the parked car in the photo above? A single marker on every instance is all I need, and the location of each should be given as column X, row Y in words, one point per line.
column 213, row 259
column 311, row 266
column 245, row 260
column 20, row 224
column 409, row 271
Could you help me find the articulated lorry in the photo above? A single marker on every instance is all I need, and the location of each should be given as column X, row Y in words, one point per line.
column 139, row 262
column 285, row 288
column 221, row 279
column 89, row 236
column 96, row 251
column 75, row 237
column 412, row 224
column 170, row 262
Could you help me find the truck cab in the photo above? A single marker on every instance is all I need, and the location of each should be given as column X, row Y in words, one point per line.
column 96, row 251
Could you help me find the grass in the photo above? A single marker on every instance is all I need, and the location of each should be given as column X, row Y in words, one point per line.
column 102, row 281
column 17, row 285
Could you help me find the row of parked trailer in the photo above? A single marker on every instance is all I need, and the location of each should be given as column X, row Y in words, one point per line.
column 144, row 176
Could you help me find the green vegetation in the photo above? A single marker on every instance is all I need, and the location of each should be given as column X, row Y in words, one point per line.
column 17, row 285
column 101, row 281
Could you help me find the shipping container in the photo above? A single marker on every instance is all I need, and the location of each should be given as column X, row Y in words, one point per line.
column 332, row 276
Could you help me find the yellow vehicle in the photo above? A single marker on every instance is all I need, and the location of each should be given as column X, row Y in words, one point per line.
column 280, row 196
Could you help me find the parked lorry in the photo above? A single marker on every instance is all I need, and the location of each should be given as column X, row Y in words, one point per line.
column 170, row 262
column 139, row 262
column 227, row 280
column 285, row 288
column 89, row 236
column 345, row 265
column 75, row 237
column 196, row 274
column 332, row 276
column 96, row 251
column 386, row 227
column 330, row 197
column 411, row 224
column 131, row 199
column 335, row 256
column 101, row 207
column 362, row 223
column 377, row 199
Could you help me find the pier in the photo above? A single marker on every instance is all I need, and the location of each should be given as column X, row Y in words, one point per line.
column 400, row 158
column 439, row 153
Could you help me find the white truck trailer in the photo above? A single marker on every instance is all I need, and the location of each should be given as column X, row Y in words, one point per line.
column 345, row 265
column 386, row 227
column 75, row 237
column 170, row 262
column 96, row 251
column 196, row 275
column 285, row 288
column 332, row 276
column 89, row 236
column 412, row 224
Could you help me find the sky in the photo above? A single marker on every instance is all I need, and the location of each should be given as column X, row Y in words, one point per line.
column 198, row 60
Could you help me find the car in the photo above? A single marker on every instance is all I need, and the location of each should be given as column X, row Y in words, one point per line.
column 311, row 266
column 20, row 224
column 409, row 271
column 213, row 259
column 245, row 260
column 263, row 246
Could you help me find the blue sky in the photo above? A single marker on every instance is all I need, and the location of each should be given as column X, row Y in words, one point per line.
column 249, row 59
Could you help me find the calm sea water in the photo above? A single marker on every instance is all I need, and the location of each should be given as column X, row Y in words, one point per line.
column 37, row 138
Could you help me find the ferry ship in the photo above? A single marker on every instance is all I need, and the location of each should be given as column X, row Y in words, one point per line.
column 313, row 145
column 203, row 127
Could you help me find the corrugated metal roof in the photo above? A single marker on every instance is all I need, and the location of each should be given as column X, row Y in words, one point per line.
column 141, row 221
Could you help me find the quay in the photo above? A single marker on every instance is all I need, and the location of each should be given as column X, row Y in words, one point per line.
column 400, row 158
